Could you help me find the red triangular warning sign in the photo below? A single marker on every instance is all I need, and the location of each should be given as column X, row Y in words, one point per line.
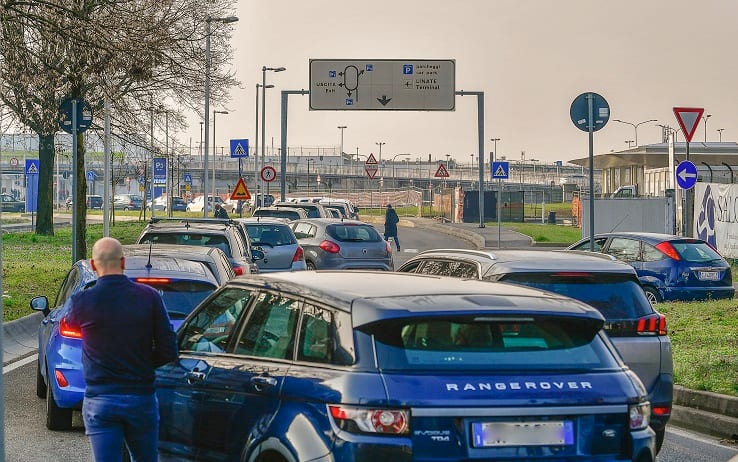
column 441, row 172
column 371, row 160
column 688, row 118
column 240, row 192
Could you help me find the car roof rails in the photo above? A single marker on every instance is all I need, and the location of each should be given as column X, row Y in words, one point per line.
column 477, row 253
column 187, row 221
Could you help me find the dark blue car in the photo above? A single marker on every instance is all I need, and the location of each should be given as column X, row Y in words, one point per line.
column 182, row 285
column 397, row 367
column 669, row 267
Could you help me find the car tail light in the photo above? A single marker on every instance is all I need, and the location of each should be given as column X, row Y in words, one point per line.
column 654, row 324
column 152, row 280
column 299, row 255
column 330, row 247
column 661, row 410
column 238, row 270
column 639, row 415
column 60, row 379
column 65, row 330
column 667, row 249
column 361, row 420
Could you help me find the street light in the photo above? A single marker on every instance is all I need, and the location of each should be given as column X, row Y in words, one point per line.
column 720, row 132
column 635, row 126
column 494, row 153
column 380, row 144
column 210, row 19
column 264, row 70
column 256, row 143
column 705, row 117
column 308, row 172
column 215, row 145
column 342, row 128
column 629, row 143
column 394, row 181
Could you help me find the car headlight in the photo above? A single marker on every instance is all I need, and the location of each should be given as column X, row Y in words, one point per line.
column 639, row 415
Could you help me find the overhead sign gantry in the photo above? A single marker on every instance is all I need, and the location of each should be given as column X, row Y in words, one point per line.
column 382, row 84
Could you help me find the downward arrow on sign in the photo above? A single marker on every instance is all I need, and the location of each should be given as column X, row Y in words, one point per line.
column 384, row 100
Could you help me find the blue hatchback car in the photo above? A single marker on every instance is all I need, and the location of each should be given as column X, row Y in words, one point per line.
column 669, row 267
column 397, row 367
column 59, row 379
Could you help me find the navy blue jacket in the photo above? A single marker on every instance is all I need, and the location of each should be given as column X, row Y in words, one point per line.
column 390, row 222
column 126, row 335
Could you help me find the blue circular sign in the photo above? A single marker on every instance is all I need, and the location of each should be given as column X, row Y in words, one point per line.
column 686, row 174
column 84, row 115
column 579, row 112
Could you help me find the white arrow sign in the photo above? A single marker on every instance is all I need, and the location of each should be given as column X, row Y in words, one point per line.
column 684, row 175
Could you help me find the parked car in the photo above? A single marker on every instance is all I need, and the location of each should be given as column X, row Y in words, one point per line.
column 214, row 258
column 160, row 203
column 256, row 201
column 197, row 203
column 347, row 244
column 178, row 204
column 11, row 204
column 349, row 209
column 127, row 202
column 285, row 367
column 94, row 202
column 59, row 378
column 669, row 267
column 335, row 212
column 312, row 209
column 290, row 213
column 211, row 232
column 634, row 326
column 277, row 242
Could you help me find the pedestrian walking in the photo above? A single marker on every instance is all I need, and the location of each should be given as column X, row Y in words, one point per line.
column 220, row 212
column 390, row 225
column 126, row 335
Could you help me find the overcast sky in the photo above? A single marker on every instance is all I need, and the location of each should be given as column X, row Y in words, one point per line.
column 531, row 58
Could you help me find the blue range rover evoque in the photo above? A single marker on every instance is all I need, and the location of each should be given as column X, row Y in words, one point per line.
column 397, row 367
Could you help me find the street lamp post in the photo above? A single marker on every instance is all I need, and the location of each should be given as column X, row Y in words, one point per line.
column 635, row 126
column 705, row 118
column 208, row 21
column 308, row 173
column 630, row 143
column 494, row 153
column 264, row 70
column 342, row 128
column 720, row 133
column 215, row 145
column 380, row 144
column 394, row 180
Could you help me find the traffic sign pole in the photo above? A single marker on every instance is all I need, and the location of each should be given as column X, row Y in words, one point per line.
column 590, row 128
column 75, row 183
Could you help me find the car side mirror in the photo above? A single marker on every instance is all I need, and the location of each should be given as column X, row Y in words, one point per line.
column 257, row 254
column 40, row 303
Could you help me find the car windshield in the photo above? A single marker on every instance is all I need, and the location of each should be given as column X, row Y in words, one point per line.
column 492, row 343
column 350, row 232
column 616, row 296
column 696, row 251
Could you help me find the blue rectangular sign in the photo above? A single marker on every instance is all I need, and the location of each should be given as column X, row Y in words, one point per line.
column 160, row 171
column 239, row 148
column 500, row 170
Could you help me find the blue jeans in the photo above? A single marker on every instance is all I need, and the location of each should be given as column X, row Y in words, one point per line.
column 394, row 237
column 112, row 419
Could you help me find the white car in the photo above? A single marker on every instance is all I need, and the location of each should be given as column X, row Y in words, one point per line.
column 197, row 204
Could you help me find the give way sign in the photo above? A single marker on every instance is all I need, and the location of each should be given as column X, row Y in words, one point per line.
column 688, row 118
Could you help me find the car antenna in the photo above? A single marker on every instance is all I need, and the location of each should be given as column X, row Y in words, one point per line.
column 148, row 263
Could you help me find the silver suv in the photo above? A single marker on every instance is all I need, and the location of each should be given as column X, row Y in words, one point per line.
column 634, row 326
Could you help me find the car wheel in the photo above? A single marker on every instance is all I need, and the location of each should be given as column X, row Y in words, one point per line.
column 652, row 295
column 660, row 434
column 125, row 209
column 57, row 418
column 310, row 265
column 40, row 383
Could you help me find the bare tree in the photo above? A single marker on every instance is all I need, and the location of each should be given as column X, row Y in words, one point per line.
column 139, row 54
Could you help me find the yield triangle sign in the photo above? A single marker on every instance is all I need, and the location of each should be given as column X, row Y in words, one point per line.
column 371, row 171
column 688, row 118
column 441, row 172
column 240, row 192
column 371, row 160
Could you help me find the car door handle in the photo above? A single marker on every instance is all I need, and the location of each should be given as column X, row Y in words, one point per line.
column 194, row 376
column 261, row 382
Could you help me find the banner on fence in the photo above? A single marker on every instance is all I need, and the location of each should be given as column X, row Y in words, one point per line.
column 716, row 216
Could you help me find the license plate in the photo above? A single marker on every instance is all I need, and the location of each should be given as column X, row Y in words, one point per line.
column 500, row 434
column 709, row 276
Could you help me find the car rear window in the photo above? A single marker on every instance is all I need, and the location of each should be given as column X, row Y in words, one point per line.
column 349, row 232
column 180, row 296
column 492, row 343
column 270, row 235
column 208, row 240
column 616, row 296
column 277, row 213
column 696, row 251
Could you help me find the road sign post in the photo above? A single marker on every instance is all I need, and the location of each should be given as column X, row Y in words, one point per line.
column 590, row 112
column 500, row 171
column 688, row 118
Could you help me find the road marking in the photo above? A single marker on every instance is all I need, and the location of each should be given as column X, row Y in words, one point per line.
column 410, row 250
column 15, row 365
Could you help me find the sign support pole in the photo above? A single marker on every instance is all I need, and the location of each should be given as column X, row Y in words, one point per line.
column 75, row 183
column 283, row 154
column 590, row 129
column 499, row 212
column 687, row 207
column 480, row 132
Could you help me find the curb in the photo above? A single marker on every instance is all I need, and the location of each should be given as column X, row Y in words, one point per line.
column 20, row 337
column 705, row 412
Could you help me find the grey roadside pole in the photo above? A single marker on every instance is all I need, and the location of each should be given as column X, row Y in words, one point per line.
column 264, row 87
column 283, row 142
column 480, row 133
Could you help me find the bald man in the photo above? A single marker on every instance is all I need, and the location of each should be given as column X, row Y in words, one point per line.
column 126, row 335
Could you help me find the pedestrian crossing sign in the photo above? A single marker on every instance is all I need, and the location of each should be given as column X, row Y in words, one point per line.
column 500, row 170
column 239, row 148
